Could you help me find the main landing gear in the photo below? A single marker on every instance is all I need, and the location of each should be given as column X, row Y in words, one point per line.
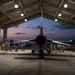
column 41, row 53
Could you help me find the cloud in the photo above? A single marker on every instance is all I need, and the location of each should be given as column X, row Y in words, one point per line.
column 28, row 27
column 19, row 33
column 50, row 35
column 63, row 27
column 35, row 27
column 52, row 29
column 16, row 26
column 32, row 27
column 39, row 27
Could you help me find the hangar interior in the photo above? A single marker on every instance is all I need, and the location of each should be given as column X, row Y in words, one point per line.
column 30, row 9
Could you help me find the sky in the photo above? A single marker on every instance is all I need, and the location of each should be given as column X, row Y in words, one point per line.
column 52, row 30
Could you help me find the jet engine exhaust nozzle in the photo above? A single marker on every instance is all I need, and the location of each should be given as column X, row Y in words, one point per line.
column 41, row 40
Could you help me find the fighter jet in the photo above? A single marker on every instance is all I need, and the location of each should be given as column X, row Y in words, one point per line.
column 41, row 40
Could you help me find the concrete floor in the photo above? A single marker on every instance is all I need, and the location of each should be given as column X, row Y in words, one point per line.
column 24, row 63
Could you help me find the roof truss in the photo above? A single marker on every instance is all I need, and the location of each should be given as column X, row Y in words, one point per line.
column 9, row 16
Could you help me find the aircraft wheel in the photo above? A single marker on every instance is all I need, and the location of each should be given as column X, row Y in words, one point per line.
column 41, row 54
column 49, row 51
column 33, row 51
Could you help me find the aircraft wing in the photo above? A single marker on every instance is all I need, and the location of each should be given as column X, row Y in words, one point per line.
column 61, row 43
column 20, row 41
column 24, row 40
column 33, row 40
column 48, row 40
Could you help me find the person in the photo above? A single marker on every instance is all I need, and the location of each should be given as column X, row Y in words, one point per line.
column 19, row 46
column 6, row 45
column 0, row 45
column 3, row 46
column 22, row 46
column 11, row 45
column 55, row 48
column 63, row 48
column 52, row 48
column 16, row 47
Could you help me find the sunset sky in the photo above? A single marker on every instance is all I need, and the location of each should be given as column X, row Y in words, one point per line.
column 30, row 29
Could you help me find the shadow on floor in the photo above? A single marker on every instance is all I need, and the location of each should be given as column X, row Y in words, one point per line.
column 45, row 58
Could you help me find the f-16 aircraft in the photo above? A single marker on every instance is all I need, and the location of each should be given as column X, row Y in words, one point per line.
column 41, row 40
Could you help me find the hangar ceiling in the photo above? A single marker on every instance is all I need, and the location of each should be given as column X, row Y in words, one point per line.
column 10, row 16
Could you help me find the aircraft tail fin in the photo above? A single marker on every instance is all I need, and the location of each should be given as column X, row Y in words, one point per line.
column 41, row 28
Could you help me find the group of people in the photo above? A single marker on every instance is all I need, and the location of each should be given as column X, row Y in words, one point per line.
column 57, row 48
column 17, row 46
column 53, row 47
column 3, row 46
column 10, row 45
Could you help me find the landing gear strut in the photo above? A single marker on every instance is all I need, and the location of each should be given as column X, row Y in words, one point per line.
column 41, row 53
column 33, row 51
column 49, row 51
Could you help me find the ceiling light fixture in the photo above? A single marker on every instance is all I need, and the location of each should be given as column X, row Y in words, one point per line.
column 22, row 14
column 65, row 5
column 59, row 14
column 56, row 20
column 25, row 20
column 16, row 6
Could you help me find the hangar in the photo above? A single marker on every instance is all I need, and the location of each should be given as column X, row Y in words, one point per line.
column 14, row 12
column 30, row 9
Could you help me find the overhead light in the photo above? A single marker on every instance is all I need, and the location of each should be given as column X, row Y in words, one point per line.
column 22, row 14
column 16, row 6
column 59, row 14
column 25, row 20
column 65, row 5
column 56, row 20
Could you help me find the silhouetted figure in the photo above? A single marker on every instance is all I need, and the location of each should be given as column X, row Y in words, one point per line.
column 16, row 47
column 23, row 46
column 11, row 45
